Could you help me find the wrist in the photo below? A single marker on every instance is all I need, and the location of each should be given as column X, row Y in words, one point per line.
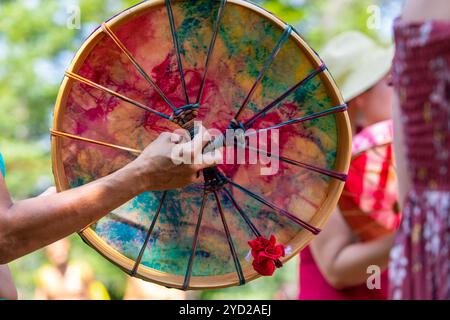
column 141, row 176
column 137, row 178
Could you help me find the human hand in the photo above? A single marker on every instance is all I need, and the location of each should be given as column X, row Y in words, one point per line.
column 172, row 161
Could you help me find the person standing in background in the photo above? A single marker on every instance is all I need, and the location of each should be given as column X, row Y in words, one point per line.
column 7, row 289
column 137, row 289
column 65, row 279
column 420, row 258
column 334, row 266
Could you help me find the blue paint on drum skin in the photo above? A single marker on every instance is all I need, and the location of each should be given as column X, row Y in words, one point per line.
column 121, row 237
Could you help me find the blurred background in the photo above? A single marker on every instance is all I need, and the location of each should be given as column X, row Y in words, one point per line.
column 38, row 39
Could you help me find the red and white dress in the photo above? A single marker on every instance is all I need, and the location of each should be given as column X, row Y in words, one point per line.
column 420, row 258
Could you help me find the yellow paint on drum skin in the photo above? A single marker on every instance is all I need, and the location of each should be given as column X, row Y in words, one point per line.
column 86, row 101
column 121, row 128
column 302, row 149
column 328, row 143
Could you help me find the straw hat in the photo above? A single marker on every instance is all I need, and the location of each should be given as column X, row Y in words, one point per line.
column 356, row 62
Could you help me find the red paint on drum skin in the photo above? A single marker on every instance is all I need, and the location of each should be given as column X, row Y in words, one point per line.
column 80, row 128
column 193, row 80
column 101, row 112
column 168, row 81
column 282, row 113
column 269, row 119
column 212, row 100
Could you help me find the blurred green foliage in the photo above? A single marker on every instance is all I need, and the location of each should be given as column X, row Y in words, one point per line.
column 36, row 46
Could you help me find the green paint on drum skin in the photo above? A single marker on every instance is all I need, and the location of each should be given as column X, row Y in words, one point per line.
column 76, row 183
column 250, row 42
column 212, row 249
column 170, row 259
column 186, row 32
column 200, row 8
column 198, row 16
column 171, row 256
column 253, row 107
column 306, row 98
column 253, row 62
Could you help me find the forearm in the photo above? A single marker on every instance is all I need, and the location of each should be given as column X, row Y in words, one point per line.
column 351, row 263
column 34, row 223
column 31, row 224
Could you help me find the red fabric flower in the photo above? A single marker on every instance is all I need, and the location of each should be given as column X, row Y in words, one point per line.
column 266, row 255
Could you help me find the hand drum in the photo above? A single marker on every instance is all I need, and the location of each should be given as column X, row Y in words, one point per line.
column 161, row 65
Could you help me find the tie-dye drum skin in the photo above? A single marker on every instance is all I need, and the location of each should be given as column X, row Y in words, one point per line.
column 229, row 64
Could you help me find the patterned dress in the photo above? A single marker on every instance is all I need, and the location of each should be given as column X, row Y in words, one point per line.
column 420, row 258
